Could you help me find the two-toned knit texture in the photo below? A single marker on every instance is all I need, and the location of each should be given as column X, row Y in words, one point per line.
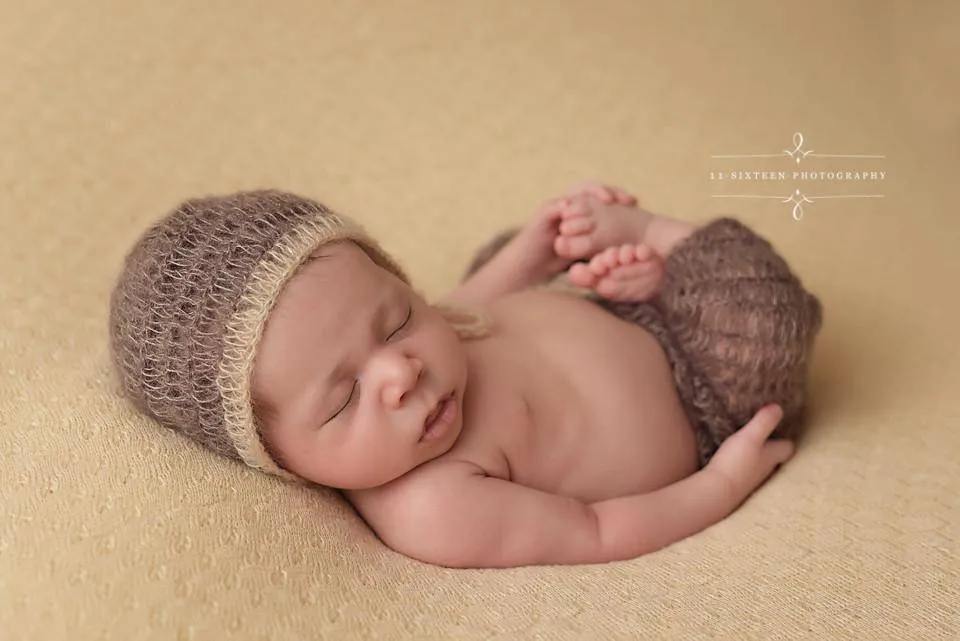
column 193, row 297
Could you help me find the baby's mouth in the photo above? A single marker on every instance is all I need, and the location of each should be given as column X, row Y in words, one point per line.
column 438, row 411
column 432, row 416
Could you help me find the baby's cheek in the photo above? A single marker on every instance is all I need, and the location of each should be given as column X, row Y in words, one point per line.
column 439, row 340
column 453, row 351
column 445, row 335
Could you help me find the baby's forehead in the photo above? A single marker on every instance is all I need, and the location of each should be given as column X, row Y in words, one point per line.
column 341, row 256
column 341, row 273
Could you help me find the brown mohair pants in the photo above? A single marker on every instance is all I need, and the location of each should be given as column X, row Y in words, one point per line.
column 736, row 325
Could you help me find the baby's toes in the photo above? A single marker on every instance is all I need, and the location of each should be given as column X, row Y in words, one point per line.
column 643, row 252
column 604, row 261
column 627, row 254
column 634, row 282
column 611, row 289
column 637, row 271
column 580, row 275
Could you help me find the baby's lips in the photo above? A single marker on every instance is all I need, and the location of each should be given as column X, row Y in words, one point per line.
column 433, row 413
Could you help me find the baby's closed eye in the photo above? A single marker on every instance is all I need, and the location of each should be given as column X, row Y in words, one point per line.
column 406, row 322
column 353, row 394
column 346, row 403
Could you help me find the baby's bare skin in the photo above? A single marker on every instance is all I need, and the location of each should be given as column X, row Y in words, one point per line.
column 568, row 399
column 568, row 443
column 565, row 397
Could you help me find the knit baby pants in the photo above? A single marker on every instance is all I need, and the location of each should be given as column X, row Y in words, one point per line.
column 736, row 325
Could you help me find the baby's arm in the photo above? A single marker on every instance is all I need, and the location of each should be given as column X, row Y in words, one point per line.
column 462, row 518
column 467, row 519
column 525, row 260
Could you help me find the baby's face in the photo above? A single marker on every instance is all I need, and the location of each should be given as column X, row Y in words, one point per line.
column 352, row 368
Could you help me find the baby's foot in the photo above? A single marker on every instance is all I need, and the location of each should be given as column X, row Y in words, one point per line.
column 589, row 226
column 628, row 272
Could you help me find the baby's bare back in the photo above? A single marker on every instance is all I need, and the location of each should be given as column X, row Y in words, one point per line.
column 568, row 399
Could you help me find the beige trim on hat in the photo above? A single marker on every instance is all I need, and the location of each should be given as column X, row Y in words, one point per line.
column 244, row 329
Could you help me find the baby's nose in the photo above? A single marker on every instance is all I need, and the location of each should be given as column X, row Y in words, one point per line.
column 402, row 376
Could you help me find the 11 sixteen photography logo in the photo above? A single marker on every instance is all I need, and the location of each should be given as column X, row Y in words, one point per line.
column 824, row 180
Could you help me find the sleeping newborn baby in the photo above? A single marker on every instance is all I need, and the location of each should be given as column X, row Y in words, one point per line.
column 603, row 382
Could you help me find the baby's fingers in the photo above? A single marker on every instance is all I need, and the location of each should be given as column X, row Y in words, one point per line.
column 763, row 423
column 551, row 211
column 778, row 451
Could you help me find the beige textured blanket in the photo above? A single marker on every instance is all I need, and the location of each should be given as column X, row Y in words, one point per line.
column 439, row 123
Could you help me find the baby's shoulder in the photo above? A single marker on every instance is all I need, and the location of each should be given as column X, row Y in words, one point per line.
column 414, row 488
column 400, row 504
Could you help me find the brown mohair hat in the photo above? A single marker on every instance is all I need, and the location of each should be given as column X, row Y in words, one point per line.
column 191, row 302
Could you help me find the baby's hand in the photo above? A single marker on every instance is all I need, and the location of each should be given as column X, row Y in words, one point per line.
column 746, row 459
column 606, row 194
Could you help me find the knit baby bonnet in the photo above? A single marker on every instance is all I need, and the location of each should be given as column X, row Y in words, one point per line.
column 191, row 302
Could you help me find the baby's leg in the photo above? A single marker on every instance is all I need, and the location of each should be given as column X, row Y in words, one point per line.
column 744, row 323
column 736, row 323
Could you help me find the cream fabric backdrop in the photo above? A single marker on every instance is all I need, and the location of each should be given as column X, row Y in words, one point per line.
column 438, row 123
